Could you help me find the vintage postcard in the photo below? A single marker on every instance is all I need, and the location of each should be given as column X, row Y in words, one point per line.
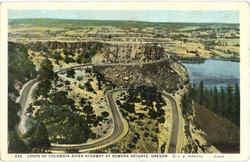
column 117, row 81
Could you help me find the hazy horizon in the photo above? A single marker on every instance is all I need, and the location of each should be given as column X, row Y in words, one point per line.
column 131, row 15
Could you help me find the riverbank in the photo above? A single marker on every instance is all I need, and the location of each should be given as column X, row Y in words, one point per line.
column 213, row 73
column 199, row 60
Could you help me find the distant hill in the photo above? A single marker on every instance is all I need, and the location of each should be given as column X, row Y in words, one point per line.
column 118, row 23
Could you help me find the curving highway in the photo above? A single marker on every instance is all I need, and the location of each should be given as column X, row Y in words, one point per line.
column 175, row 126
column 120, row 125
column 120, row 130
column 23, row 102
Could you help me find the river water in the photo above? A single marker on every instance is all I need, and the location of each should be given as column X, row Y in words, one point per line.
column 214, row 73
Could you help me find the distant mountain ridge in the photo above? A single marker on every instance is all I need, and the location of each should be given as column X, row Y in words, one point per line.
column 84, row 22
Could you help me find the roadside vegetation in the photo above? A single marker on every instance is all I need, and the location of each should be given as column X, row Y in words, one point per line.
column 143, row 108
column 63, row 103
column 148, row 97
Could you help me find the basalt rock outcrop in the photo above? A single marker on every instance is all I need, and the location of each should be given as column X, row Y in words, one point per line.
column 138, row 63
column 108, row 52
column 159, row 74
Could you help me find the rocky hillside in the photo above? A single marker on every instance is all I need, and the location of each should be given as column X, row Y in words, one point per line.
column 207, row 132
column 20, row 69
column 150, row 64
column 220, row 132
column 105, row 52
column 140, row 64
column 159, row 74
column 122, row 65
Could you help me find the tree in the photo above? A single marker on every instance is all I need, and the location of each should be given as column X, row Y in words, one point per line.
column 20, row 67
column 237, row 104
column 13, row 118
column 210, row 98
column 68, row 52
column 15, row 144
column 80, row 59
column 207, row 97
column 201, row 92
column 161, row 119
column 193, row 92
column 57, row 56
column 186, row 102
column 79, row 78
column 223, row 104
column 69, row 59
column 105, row 114
column 60, row 98
column 39, row 137
column 230, row 102
column 43, row 88
column 89, row 87
column 71, row 73
column 46, row 70
column 215, row 99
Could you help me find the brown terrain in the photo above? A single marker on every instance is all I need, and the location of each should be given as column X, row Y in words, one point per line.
column 220, row 132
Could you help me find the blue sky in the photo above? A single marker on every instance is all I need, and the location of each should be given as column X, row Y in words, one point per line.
column 139, row 15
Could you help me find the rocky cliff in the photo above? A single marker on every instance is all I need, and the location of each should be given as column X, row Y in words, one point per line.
column 140, row 63
column 111, row 52
column 158, row 74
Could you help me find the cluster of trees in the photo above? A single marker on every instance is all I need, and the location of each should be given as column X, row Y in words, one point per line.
column 100, row 79
column 148, row 95
column 57, row 56
column 71, row 73
column 224, row 101
column 56, row 108
column 69, row 56
column 195, row 59
column 89, row 87
column 83, row 56
column 69, row 60
column 37, row 137
column 15, row 143
column 46, row 77
column 209, row 44
column 69, row 120
column 60, row 113
column 86, row 56
column 20, row 68
column 66, row 119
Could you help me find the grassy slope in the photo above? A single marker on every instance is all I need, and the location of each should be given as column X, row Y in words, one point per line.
column 220, row 132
